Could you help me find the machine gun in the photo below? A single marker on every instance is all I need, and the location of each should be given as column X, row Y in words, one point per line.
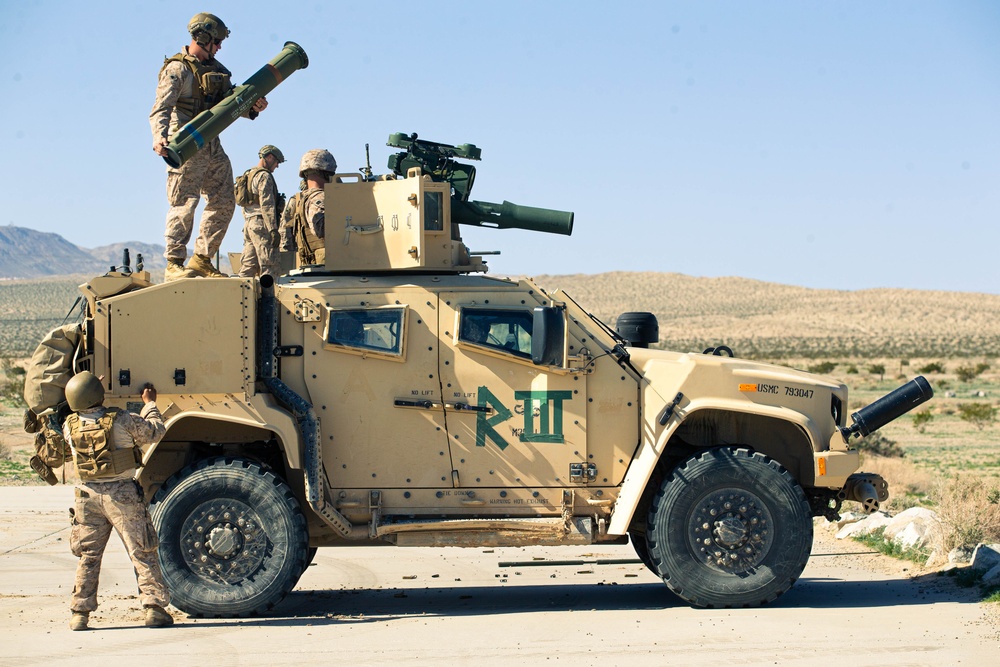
column 438, row 161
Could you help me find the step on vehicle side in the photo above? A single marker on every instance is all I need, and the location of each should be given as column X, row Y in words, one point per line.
column 398, row 395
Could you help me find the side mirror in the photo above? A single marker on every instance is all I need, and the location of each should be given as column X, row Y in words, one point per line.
column 548, row 336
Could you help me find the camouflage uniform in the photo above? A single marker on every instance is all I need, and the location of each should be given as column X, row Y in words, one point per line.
column 115, row 501
column 208, row 172
column 260, row 232
column 303, row 227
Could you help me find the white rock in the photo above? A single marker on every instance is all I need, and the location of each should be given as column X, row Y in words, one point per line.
column 960, row 555
column 850, row 517
column 992, row 576
column 868, row 525
column 986, row 557
column 916, row 527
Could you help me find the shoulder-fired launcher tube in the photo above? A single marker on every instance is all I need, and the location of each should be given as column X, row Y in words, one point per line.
column 210, row 123
column 511, row 216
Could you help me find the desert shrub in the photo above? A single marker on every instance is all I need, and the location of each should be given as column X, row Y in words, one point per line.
column 969, row 508
column 12, row 385
column 967, row 373
column 852, row 370
column 922, row 419
column 877, row 444
column 979, row 415
column 933, row 367
column 5, row 453
column 823, row 368
column 877, row 369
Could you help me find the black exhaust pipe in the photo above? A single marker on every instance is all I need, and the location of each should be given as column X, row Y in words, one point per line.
column 894, row 404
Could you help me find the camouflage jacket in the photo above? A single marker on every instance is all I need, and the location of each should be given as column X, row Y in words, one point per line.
column 128, row 430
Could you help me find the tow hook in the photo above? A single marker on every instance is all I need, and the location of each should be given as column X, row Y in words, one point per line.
column 867, row 488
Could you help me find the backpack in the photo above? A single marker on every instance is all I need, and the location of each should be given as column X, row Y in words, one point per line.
column 243, row 188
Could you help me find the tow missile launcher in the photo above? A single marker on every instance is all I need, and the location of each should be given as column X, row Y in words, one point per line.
column 408, row 220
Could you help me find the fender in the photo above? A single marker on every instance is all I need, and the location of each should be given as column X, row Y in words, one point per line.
column 656, row 437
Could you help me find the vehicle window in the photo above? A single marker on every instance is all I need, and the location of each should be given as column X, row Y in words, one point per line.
column 377, row 329
column 506, row 330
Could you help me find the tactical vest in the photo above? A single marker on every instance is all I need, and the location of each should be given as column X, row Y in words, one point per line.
column 243, row 189
column 93, row 448
column 212, row 83
column 311, row 248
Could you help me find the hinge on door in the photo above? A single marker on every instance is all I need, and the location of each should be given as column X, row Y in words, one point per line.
column 581, row 473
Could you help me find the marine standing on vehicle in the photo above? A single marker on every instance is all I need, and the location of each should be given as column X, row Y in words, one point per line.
column 303, row 224
column 107, row 449
column 257, row 193
column 190, row 82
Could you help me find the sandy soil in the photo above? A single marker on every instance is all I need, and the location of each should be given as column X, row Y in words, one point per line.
column 418, row 606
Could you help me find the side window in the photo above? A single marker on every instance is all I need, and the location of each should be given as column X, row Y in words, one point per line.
column 505, row 330
column 376, row 329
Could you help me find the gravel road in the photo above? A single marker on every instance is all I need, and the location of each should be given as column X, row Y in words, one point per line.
column 419, row 606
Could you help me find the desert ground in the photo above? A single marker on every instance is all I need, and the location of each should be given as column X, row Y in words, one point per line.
column 419, row 606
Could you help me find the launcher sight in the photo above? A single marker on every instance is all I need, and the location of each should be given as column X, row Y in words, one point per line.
column 435, row 159
column 438, row 161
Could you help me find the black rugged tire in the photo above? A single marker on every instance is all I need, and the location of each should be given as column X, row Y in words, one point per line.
column 638, row 541
column 254, row 523
column 757, row 546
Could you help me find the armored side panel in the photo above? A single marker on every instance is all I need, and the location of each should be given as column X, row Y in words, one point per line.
column 193, row 336
column 392, row 225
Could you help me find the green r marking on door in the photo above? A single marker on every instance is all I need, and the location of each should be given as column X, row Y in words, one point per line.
column 485, row 426
column 550, row 415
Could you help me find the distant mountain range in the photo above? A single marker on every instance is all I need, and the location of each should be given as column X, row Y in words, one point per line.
column 28, row 254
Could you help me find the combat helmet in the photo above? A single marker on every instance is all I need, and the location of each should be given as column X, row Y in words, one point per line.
column 318, row 159
column 84, row 391
column 271, row 150
column 204, row 24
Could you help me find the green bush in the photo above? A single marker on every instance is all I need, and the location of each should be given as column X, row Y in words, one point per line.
column 979, row 415
column 922, row 419
column 823, row 368
column 877, row 369
column 877, row 444
column 933, row 367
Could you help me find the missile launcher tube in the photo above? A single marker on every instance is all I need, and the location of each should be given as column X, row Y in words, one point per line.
column 210, row 123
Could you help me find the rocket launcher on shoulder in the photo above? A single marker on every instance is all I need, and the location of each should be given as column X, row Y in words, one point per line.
column 210, row 123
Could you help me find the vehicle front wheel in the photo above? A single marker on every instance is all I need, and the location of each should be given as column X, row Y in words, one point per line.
column 729, row 528
column 233, row 539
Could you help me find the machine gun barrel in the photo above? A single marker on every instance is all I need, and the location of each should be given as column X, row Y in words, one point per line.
column 511, row 216
column 210, row 123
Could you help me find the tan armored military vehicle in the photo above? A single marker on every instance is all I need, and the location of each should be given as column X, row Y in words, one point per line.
column 397, row 396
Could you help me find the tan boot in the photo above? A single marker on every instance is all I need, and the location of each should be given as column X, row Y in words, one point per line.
column 176, row 271
column 78, row 621
column 201, row 265
column 157, row 617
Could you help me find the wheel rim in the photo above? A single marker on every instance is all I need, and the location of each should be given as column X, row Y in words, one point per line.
column 731, row 530
column 222, row 541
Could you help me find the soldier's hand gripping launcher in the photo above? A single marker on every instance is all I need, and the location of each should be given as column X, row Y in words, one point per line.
column 437, row 161
column 211, row 122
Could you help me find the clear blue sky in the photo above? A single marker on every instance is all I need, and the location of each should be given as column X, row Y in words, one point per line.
column 843, row 145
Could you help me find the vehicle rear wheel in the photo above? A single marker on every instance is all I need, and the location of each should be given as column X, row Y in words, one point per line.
column 233, row 539
column 729, row 528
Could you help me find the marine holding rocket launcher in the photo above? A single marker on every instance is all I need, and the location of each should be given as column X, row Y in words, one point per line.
column 195, row 102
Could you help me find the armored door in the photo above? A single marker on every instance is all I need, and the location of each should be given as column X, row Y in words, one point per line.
column 510, row 423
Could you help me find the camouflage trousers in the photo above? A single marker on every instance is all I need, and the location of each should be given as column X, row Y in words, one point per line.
column 99, row 507
column 207, row 173
column 260, row 249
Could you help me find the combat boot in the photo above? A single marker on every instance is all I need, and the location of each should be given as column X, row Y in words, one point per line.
column 157, row 617
column 78, row 621
column 201, row 265
column 176, row 271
